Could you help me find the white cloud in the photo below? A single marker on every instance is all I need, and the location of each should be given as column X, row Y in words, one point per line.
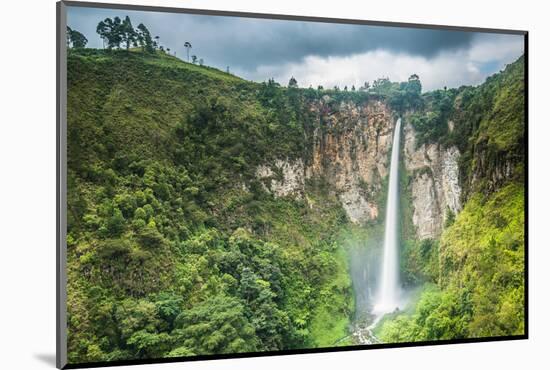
column 487, row 54
column 489, row 48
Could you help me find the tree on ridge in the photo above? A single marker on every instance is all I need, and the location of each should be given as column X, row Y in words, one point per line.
column 188, row 46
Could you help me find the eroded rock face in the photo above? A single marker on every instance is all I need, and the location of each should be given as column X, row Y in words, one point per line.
column 491, row 172
column 351, row 152
column 283, row 178
column 357, row 207
column 426, row 210
column 450, row 179
column 435, row 183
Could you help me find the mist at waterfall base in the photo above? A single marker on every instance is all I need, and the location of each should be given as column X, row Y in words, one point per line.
column 375, row 268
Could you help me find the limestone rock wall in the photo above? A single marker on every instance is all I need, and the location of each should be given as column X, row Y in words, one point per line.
column 350, row 148
column 283, row 178
column 435, row 183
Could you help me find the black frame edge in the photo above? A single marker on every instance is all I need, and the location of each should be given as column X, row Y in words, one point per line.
column 292, row 352
column 526, row 182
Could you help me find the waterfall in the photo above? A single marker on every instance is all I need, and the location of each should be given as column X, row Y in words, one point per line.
column 387, row 299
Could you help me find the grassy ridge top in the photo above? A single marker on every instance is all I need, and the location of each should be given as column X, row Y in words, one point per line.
column 157, row 58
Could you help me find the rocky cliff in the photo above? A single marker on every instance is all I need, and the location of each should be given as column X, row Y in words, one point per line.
column 350, row 152
column 283, row 178
column 434, row 185
column 350, row 147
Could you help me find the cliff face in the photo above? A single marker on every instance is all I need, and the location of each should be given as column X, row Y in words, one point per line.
column 491, row 170
column 349, row 151
column 434, row 187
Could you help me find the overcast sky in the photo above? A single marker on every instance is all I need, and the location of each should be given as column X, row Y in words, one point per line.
column 320, row 53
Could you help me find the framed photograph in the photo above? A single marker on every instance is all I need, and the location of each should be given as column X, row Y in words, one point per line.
column 234, row 184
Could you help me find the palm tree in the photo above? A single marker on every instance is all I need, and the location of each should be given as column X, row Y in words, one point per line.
column 188, row 46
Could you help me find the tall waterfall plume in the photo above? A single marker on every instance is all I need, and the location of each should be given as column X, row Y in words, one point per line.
column 388, row 296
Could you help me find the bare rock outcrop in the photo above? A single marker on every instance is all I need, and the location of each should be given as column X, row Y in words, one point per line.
column 283, row 178
column 435, row 183
column 351, row 152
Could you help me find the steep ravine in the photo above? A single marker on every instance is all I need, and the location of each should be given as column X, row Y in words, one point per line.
column 350, row 155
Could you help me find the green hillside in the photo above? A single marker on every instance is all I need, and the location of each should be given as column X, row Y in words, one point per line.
column 174, row 248
column 489, row 124
column 480, row 283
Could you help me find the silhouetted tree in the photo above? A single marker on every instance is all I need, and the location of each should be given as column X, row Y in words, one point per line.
column 188, row 46
column 412, row 91
column 76, row 39
column 193, row 59
column 292, row 82
column 110, row 30
column 365, row 86
column 144, row 38
column 127, row 33
column 101, row 29
column 414, row 84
